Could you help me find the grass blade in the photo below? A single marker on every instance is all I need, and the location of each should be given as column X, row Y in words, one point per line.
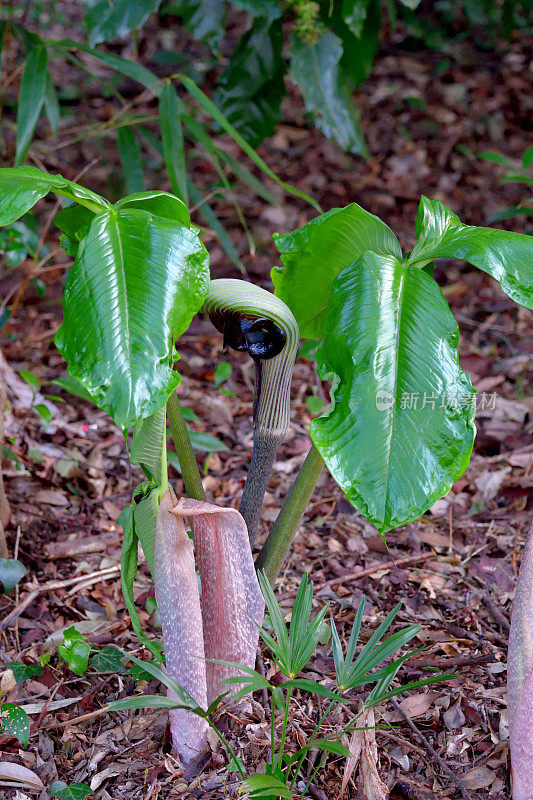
column 170, row 113
column 31, row 99
column 130, row 156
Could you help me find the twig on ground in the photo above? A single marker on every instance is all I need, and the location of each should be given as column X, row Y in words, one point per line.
column 429, row 747
column 445, row 663
column 363, row 573
column 497, row 613
column 87, row 580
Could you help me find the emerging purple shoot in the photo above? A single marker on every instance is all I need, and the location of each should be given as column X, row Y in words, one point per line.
column 520, row 679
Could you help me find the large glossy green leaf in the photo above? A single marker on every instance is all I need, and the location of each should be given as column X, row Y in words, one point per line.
column 170, row 111
column 506, row 256
column 107, row 19
column 161, row 204
column 205, row 19
column 313, row 256
column 400, row 430
column 22, row 187
column 135, row 285
column 250, row 89
column 31, row 99
column 327, row 96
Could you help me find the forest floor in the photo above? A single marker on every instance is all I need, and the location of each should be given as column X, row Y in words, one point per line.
column 426, row 117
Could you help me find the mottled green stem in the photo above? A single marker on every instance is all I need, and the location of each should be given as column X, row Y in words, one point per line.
column 180, row 436
column 283, row 531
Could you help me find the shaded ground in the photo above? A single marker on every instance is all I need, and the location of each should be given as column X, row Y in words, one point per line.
column 425, row 118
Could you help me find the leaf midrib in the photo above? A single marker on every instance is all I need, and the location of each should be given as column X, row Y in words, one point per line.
column 396, row 370
column 113, row 217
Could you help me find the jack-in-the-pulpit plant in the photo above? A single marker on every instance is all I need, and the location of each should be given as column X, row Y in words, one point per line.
column 399, row 431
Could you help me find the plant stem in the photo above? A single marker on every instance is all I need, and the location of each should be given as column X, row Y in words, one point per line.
column 180, row 436
column 283, row 531
column 227, row 746
column 284, row 731
column 310, row 741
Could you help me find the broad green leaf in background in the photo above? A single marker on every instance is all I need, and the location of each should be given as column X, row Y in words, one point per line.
column 107, row 19
column 260, row 8
column 23, row 671
column 313, row 256
column 358, row 49
column 74, row 222
column 135, row 285
column 31, row 98
column 109, row 659
column 22, row 187
column 354, row 13
column 400, row 429
column 130, row 156
column 327, row 95
column 506, row 256
column 206, row 442
column 205, row 19
column 20, row 240
column 170, row 112
column 15, row 720
column 11, row 573
column 250, row 89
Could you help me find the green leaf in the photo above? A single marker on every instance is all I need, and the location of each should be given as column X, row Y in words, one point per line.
column 45, row 415
column 145, row 508
column 22, row 187
column 51, row 106
column 314, row 404
column 74, row 387
column 250, row 89
column 400, row 429
column 135, row 285
column 358, row 51
column 206, row 442
column 128, row 571
column 162, row 676
column 313, row 256
column 527, row 157
column 109, row 659
column 15, row 720
column 170, row 111
column 265, row 786
column 72, row 791
column 160, row 204
column 74, row 650
column 31, row 379
column 259, row 8
column 506, row 256
column 31, row 98
column 24, row 671
column 496, row 158
column 146, row 701
column 222, row 373
column 205, row 19
column 327, row 746
column 107, row 19
column 242, row 172
column 11, row 572
column 354, row 13
column 312, row 687
column 214, row 223
column 130, row 156
column 148, row 446
column 130, row 69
